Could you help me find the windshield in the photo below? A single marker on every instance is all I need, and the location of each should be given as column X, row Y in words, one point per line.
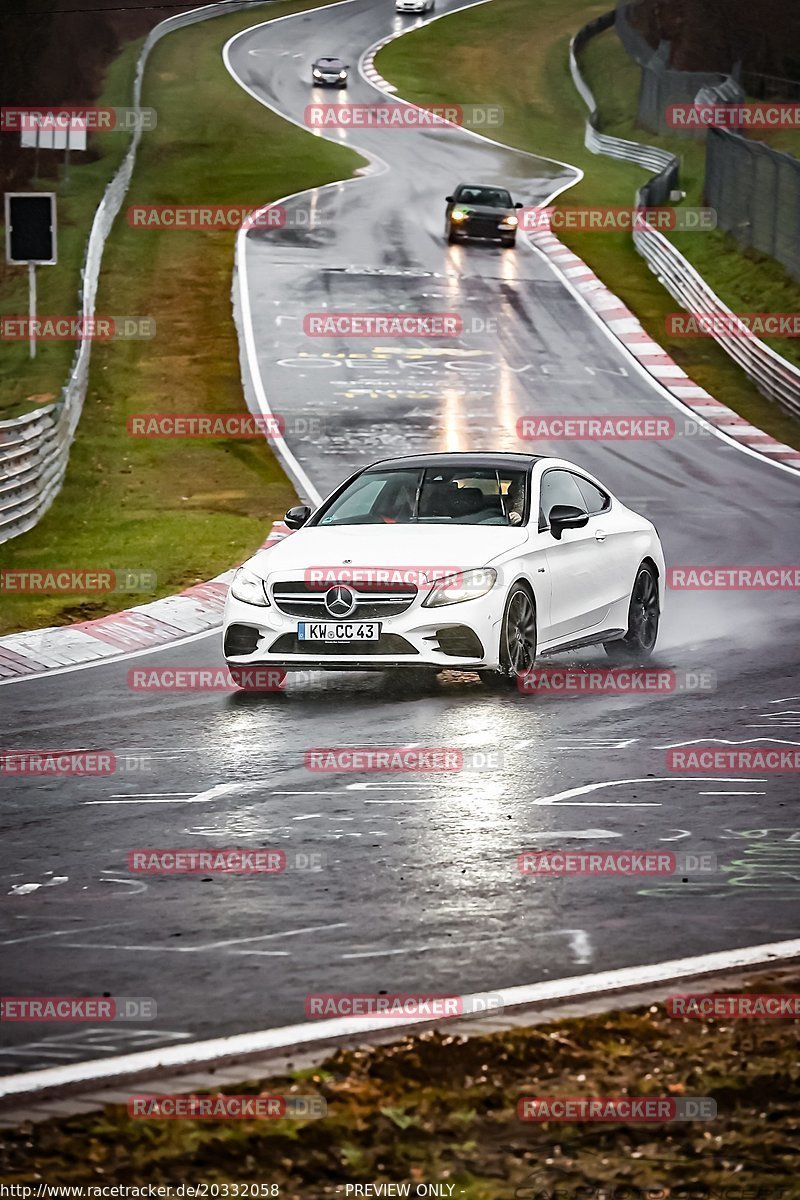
column 491, row 197
column 430, row 496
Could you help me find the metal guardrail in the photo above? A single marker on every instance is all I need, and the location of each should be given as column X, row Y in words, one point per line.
column 649, row 157
column 774, row 376
column 34, row 448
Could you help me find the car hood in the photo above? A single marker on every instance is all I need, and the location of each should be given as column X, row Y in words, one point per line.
column 401, row 546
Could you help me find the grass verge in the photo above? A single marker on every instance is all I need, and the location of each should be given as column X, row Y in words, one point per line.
column 183, row 509
column 507, row 53
column 441, row 1110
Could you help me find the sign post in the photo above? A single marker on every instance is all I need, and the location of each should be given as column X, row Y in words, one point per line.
column 31, row 240
column 32, row 309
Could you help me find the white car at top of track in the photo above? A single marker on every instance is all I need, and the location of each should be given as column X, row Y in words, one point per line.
column 479, row 561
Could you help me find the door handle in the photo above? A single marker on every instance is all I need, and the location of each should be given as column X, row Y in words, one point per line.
column 599, row 535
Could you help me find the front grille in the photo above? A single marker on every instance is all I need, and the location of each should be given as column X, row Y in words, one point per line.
column 459, row 641
column 481, row 228
column 241, row 639
column 298, row 599
column 388, row 643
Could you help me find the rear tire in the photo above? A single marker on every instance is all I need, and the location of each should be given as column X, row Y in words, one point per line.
column 643, row 619
column 517, row 640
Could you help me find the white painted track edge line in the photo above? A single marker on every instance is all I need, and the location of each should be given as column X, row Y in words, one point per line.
column 309, row 1034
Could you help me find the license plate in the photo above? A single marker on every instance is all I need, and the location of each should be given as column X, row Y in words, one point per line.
column 338, row 631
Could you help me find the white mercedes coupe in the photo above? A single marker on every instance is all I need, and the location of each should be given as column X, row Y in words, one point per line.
column 474, row 562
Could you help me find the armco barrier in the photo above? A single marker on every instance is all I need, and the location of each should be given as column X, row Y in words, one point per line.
column 34, row 448
column 774, row 376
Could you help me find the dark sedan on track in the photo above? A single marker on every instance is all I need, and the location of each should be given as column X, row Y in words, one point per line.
column 329, row 72
column 480, row 211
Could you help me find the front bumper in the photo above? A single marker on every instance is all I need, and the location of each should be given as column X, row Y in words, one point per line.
column 465, row 635
column 483, row 230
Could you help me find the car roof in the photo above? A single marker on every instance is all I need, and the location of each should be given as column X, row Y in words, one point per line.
column 490, row 187
column 461, row 459
column 327, row 59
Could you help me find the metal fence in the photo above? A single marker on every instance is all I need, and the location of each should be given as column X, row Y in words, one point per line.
column 661, row 86
column 34, row 448
column 756, row 192
column 773, row 375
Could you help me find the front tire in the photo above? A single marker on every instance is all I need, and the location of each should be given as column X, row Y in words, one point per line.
column 517, row 640
column 510, row 242
column 643, row 618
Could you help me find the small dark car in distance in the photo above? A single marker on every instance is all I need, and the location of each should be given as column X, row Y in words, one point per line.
column 481, row 211
column 329, row 72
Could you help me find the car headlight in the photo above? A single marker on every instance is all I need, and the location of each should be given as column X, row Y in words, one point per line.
column 248, row 588
column 343, row 74
column 511, row 221
column 458, row 214
column 317, row 74
column 466, row 585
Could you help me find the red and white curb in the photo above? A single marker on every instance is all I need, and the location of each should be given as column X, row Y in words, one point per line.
column 196, row 610
column 367, row 64
column 627, row 329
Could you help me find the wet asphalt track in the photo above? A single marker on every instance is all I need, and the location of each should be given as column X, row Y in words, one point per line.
column 419, row 889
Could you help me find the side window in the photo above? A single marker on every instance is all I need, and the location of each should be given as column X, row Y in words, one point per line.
column 559, row 487
column 596, row 500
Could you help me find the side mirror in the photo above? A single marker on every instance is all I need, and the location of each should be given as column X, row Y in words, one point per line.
column 566, row 516
column 296, row 517
column 519, row 204
column 450, row 199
